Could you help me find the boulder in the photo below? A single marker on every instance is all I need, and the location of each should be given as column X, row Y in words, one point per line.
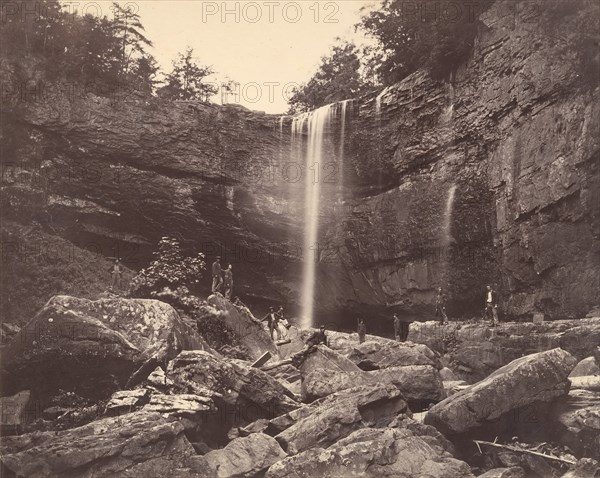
column 448, row 375
column 540, row 377
column 321, row 357
column 588, row 366
column 241, row 392
column 374, row 452
column 136, row 444
column 476, row 350
column 92, row 347
column 584, row 468
column 247, row 329
column 420, row 384
column 344, row 343
column 379, row 354
column 244, row 457
column 576, row 423
column 15, row 412
column 332, row 418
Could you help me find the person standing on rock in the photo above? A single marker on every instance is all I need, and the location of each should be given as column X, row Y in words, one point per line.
column 217, row 275
column 282, row 324
column 362, row 331
column 397, row 327
column 440, row 306
column 116, row 272
column 272, row 322
column 491, row 306
column 228, row 275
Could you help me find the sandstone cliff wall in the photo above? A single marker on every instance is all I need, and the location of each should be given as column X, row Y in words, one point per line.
column 514, row 132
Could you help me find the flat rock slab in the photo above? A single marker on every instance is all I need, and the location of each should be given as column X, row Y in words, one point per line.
column 418, row 383
column 539, row 377
column 326, row 421
column 379, row 354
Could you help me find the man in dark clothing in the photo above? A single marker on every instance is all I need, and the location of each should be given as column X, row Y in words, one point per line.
column 440, row 307
column 228, row 275
column 116, row 272
column 400, row 329
column 491, row 306
column 362, row 331
column 318, row 337
column 397, row 327
column 216, row 275
column 272, row 322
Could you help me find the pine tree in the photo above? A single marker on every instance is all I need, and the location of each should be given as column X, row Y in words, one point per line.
column 187, row 80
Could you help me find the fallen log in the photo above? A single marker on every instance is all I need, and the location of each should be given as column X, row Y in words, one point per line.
column 263, row 359
column 271, row 366
column 523, row 450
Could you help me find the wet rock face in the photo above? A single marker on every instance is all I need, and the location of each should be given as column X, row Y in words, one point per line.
column 489, row 178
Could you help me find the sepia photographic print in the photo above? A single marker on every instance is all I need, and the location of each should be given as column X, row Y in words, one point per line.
column 300, row 239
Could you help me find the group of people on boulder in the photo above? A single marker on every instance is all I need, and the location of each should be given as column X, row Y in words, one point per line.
column 222, row 279
column 277, row 323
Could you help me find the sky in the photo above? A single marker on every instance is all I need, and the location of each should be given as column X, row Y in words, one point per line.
column 265, row 46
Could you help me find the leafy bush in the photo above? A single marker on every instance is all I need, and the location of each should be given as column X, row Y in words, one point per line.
column 168, row 279
column 169, row 270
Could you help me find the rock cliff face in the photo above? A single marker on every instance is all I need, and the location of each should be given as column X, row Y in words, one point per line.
column 490, row 177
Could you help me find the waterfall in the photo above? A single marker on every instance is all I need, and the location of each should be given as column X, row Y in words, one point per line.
column 314, row 124
column 446, row 238
column 344, row 108
column 448, row 216
column 316, row 170
column 340, row 165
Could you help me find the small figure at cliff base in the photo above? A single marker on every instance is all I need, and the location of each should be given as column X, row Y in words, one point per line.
column 217, row 278
column 116, row 273
column 491, row 306
column 440, row 307
column 362, row 331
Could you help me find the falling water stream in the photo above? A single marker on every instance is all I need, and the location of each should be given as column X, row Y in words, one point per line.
column 446, row 231
column 314, row 126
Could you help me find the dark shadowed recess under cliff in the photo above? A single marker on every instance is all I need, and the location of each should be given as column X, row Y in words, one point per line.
column 489, row 177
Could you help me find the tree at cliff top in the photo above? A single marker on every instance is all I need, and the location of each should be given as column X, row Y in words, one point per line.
column 436, row 35
column 337, row 78
column 44, row 41
column 187, row 80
